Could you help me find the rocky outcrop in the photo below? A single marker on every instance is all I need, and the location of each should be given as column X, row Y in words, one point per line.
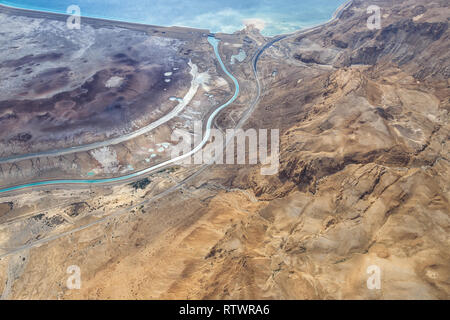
column 407, row 38
column 363, row 183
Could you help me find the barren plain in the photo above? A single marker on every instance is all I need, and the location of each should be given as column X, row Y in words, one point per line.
column 364, row 160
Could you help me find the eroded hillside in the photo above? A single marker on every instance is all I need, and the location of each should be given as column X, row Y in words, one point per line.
column 363, row 180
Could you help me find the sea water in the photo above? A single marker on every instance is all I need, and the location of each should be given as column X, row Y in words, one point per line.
column 272, row 17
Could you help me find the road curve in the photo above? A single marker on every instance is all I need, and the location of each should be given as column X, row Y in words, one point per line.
column 215, row 43
column 195, row 174
column 336, row 15
column 123, row 138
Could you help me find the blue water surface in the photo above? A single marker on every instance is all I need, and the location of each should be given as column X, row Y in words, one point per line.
column 278, row 16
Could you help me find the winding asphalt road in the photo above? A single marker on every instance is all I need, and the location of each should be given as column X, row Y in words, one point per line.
column 202, row 168
column 214, row 42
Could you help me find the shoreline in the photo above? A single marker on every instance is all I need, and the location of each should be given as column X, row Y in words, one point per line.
column 103, row 22
column 36, row 13
column 336, row 15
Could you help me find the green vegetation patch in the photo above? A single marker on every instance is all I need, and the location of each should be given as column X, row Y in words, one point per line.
column 141, row 184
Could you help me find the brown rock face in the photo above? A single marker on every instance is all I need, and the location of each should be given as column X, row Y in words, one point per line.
column 363, row 184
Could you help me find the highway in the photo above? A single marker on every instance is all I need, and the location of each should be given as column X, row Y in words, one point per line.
column 215, row 43
column 202, row 168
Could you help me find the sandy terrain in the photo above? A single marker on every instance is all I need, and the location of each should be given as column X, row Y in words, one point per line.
column 363, row 181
